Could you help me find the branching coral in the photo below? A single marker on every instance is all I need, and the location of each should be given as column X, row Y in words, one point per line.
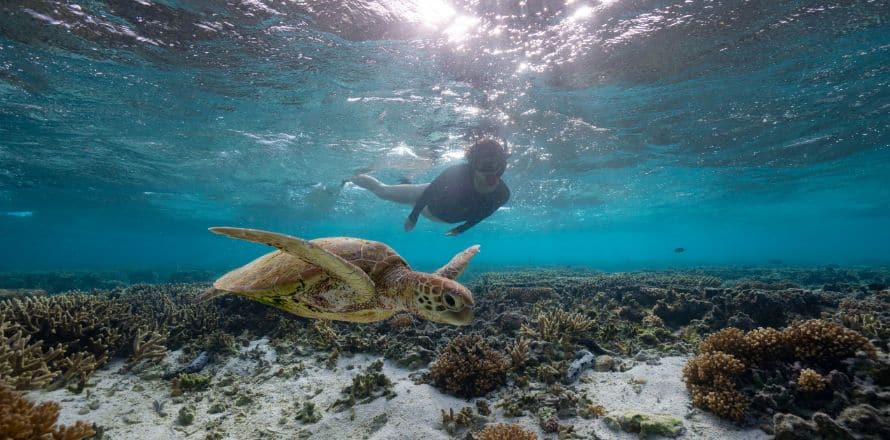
column 711, row 377
column 24, row 364
column 711, row 380
column 22, row 420
column 147, row 348
column 503, row 431
column 468, row 367
column 559, row 326
column 518, row 353
column 825, row 342
column 810, row 381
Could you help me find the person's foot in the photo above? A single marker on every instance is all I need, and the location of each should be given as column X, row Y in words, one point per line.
column 365, row 181
column 409, row 224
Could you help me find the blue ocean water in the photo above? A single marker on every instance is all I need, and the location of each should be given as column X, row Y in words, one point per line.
column 746, row 132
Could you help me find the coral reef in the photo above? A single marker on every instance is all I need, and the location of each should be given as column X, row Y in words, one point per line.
column 736, row 367
column 502, row 431
column 468, row 367
column 22, row 420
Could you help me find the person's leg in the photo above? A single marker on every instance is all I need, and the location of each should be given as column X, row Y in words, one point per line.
column 402, row 193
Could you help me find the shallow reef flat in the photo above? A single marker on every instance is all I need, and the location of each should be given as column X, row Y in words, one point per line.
column 734, row 353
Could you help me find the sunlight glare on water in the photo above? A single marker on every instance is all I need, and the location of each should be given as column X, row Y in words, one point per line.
column 743, row 131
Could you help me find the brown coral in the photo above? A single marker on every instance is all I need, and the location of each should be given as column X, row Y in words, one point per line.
column 518, row 353
column 468, row 367
column 810, row 381
column 729, row 340
column 826, row 342
column 560, row 327
column 711, row 378
column 766, row 345
column 25, row 364
column 503, row 431
column 22, row 420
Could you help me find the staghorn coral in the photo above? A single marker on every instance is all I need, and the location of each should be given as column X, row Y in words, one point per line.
column 147, row 348
column 560, row 327
column 502, row 431
column 810, row 381
column 24, row 364
column 468, row 367
column 518, row 351
column 22, row 420
column 825, row 343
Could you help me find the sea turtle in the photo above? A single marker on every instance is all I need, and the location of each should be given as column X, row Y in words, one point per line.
column 345, row 279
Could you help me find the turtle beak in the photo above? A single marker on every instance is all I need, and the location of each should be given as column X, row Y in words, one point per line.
column 460, row 318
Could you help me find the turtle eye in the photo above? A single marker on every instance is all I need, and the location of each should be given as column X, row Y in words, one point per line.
column 452, row 301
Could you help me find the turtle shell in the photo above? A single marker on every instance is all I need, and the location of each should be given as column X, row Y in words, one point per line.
column 295, row 285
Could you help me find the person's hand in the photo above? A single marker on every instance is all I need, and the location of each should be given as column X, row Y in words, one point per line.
column 453, row 232
column 409, row 224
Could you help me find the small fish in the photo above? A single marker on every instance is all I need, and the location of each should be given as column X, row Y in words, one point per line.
column 680, row 250
column 404, row 181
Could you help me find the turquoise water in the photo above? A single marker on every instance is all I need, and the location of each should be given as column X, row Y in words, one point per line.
column 746, row 132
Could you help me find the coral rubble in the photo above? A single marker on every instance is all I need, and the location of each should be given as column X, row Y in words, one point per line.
column 503, row 431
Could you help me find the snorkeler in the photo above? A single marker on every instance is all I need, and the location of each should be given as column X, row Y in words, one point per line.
column 467, row 192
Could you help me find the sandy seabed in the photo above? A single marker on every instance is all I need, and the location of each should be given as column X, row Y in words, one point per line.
column 123, row 404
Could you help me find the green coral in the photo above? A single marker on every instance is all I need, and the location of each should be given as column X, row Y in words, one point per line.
column 645, row 424
column 190, row 382
column 308, row 413
column 366, row 387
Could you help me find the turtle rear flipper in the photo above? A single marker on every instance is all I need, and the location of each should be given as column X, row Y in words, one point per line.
column 458, row 263
column 209, row 294
column 355, row 277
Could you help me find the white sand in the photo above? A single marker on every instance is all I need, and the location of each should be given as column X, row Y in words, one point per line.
column 127, row 413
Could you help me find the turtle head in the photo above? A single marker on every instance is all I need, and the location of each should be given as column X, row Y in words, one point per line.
column 440, row 299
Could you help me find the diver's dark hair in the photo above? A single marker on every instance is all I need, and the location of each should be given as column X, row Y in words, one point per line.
column 486, row 147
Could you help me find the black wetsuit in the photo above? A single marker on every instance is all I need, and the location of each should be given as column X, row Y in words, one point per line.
column 452, row 198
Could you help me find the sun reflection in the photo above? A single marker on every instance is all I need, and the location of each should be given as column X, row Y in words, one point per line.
column 460, row 28
column 434, row 13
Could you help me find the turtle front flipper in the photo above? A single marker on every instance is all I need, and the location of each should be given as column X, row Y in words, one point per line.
column 456, row 266
column 352, row 275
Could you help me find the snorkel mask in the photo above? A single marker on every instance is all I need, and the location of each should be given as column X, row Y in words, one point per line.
column 488, row 158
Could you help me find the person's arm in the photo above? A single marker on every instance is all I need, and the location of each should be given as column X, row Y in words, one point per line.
column 419, row 205
column 500, row 199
